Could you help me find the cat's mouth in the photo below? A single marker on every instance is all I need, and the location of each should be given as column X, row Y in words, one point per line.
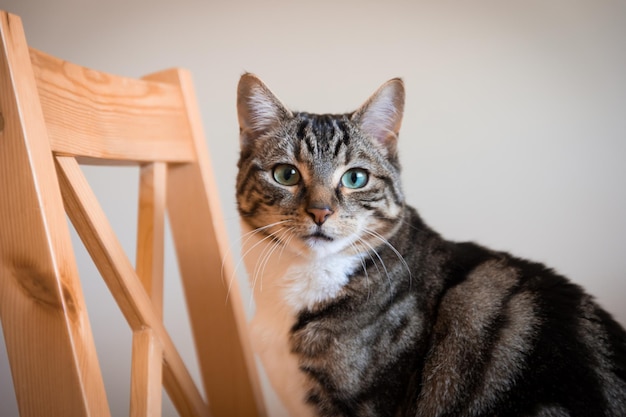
column 318, row 237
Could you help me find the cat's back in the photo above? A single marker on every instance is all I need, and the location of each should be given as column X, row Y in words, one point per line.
column 514, row 337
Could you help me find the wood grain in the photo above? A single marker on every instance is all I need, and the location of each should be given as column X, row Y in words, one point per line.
column 146, row 375
column 99, row 115
column 150, row 231
column 47, row 332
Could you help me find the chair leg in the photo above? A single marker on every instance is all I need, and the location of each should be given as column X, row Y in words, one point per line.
column 228, row 368
column 146, row 375
column 47, row 332
column 147, row 360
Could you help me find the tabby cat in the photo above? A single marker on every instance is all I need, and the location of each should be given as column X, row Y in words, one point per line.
column 364, row 310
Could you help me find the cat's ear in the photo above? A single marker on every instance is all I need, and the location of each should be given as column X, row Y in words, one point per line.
column 257, row 107
column 380, row 116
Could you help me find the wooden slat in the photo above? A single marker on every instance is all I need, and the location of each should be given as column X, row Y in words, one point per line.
column 47, row 332
column 146, row 372
column 98, row 115
column 146, row 375
column 150, row 231
column 228, row 369
column 116, row 270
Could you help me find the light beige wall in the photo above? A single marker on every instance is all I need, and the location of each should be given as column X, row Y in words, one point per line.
column 514, row 134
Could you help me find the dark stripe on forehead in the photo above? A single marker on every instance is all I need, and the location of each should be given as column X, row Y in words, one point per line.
column 311, row 145
column 322, row 133
column 343, row 128
column 301, row 133
column 322, row 125
column 342, row 138
column 337, row 148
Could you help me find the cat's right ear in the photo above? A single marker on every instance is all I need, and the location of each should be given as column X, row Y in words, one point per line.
column 381, row 116
column 258, row 108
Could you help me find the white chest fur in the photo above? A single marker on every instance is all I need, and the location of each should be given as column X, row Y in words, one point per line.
column 284, row 284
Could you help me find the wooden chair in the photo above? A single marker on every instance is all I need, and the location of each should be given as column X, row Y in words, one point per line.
column 53, row 115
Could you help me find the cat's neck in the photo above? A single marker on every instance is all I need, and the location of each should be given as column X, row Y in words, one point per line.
column 280, row 275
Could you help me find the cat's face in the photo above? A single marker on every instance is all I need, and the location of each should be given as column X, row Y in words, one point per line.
column 320, row 184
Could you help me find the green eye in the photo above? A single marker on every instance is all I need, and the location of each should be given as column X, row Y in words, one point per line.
column 285, row 174
column 354, row 178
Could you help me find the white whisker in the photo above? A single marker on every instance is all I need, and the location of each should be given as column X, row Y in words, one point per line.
column 287, row 241
column 395, row 251
column 382, row 263
column 369, row 250
column 242, row 242
column 367, row 281
column 265, row 258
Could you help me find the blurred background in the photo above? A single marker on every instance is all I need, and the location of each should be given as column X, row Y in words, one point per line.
column 514, row 132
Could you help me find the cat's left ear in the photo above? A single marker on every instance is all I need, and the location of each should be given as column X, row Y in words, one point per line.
column 259, row 110
column 380, row 117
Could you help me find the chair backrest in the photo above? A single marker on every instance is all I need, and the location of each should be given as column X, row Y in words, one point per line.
column 53, row 115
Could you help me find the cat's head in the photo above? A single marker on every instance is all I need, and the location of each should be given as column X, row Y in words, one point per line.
column 320, row 183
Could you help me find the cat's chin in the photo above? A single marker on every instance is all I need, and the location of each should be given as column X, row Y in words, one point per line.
column 319, row 248
column 318, row 242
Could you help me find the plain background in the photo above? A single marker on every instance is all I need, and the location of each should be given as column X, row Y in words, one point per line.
column 514, row 132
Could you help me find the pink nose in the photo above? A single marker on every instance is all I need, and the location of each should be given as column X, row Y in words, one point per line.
column 319, row 215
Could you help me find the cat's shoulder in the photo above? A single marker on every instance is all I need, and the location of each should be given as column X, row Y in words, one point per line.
column 476, row 268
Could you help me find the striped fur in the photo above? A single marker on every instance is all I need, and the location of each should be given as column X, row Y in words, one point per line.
column 363, row 310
